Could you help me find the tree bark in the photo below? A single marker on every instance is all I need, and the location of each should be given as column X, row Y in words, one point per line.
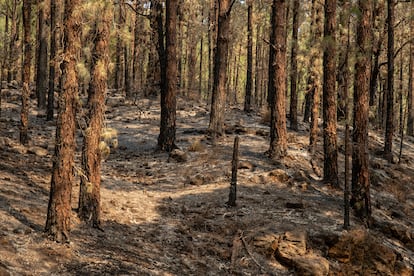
column 410, row 118
column 166, row 139
column 361, row 201
column 389, row 127
column 314, row 79
column 218, row 102
column 329, row 96
column 59, row 209
column 53, row 65
column 89, row 195
column 27, row 59
column 249, row 71
column 41, row 57
column 293, row 112
column 278, row 131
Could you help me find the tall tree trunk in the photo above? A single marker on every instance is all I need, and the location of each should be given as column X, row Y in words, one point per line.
column 200, row 71
column 258, row 69
column 89, row 195
column 361, row 201
column 119, row 47
column 410, row 119
column 41, row 57
column 314, row 79
column 27, row 59
column 249, row 71
column 293, row 112
column 13, row 39
column 136, row 66
column 278, row 131
column 389, row 127
column 153, row 78
column 59, row 209
column 271, row 60
column 329, row 97
column 218, row 102
column 166, row 139
column 55, row 8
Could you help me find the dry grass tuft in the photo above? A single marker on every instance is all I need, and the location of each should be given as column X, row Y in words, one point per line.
column 196, row 146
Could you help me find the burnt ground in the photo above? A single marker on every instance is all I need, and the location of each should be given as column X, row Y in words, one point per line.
column 166, row 216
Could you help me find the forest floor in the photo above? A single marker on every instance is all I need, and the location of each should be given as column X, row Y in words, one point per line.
column 164, row 215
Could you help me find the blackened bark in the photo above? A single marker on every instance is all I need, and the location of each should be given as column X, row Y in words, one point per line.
column 89, row 195
column 249, row 71
column 293, row 112
column 234, row 167
column 389, row 127
column 329, row 97
column 27, row 59
column 166, row 139
column 41, row 57
column 410, row 117
column 218, row 102
column 54, row 9
column 361, row 201
column 59, row 209
column 278, row 131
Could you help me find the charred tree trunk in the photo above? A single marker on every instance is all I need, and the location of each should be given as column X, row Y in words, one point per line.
column 59, row 209
column 166, row 139
column 278, row 131
column 53, row 65
column 314, row 79
column 24, row 113
column 389, row 127
column 271, row 68
column 218, row 102
column 293, row 112
column 361, row 201
column 89, row 195
column 41, row 57
column 329, row 97
column 410, row 119
column 249, row 71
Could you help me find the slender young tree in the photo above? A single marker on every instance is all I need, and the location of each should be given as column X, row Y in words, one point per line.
column 249, row 71
column 59, row 209
column 89, row 195
column 389, row 126
column 293, row 112
column 329, row 96
column 218, row 102
column 166, row 139
column 361, row 201
column 278, row 131
column 24, row 113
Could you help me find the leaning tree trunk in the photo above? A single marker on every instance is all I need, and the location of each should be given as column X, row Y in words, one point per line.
column 41, row 57
column 89, row 195
column 59, row 209
column 249, row 71
column 166, row 139
column 278, row 132
column 329, row 97
column 218, row 102
column 389, row 127
column 24, row 113
column 360, row 174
